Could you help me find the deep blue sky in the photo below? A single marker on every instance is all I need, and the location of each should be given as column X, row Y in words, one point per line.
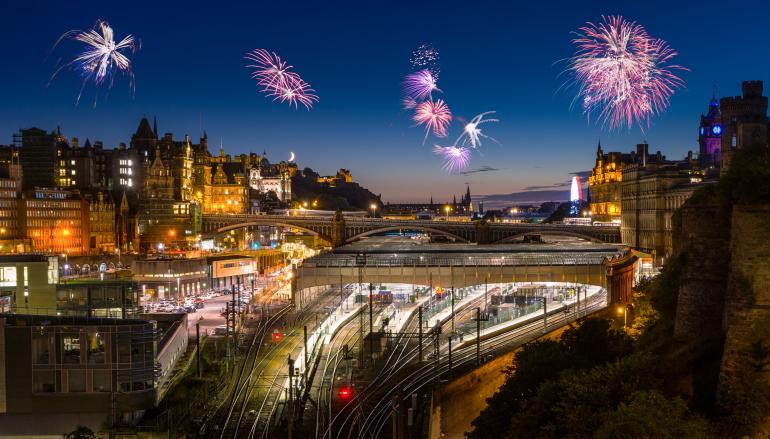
column 494, row 55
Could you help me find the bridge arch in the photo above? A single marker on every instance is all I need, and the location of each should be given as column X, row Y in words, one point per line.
column 415, row 227
column 550, row 232
column 271, row 222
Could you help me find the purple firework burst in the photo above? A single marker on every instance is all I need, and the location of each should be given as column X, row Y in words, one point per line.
column 419, row 85
column 455, row 158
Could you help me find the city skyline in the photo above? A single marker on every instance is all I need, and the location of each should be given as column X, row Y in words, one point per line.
column 195, row 79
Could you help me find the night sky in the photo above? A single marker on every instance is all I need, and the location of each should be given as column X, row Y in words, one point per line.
column 494, row 55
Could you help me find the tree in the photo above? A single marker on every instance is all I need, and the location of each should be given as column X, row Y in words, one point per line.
column 649, row 414
column 81, row 432
column 532, row 364
column 579, row 402
column 543, row 361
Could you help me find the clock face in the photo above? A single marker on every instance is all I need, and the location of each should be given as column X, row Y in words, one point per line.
column 716, row 129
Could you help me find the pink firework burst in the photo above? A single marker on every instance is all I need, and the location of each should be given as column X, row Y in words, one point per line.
column 456, row 158
column 277, row 80
column 419, row 85
column 295, row 92
column 623, row 75
column 436, row 117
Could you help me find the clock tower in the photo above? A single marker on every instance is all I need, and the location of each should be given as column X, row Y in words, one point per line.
column 710, row 136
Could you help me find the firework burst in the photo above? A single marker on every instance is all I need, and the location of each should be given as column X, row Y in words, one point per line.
column 101, row 58
column 277, row 80
column 622, row 74
column 456, row 158
column 472, row 134
column 436, row 117
column 426, row 57
column 420, row 85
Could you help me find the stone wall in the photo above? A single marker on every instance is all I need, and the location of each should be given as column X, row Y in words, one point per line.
column 747, row 313
column 703, row 241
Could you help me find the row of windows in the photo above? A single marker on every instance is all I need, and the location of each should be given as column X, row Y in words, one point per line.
column 53, row 213
column 50, row 195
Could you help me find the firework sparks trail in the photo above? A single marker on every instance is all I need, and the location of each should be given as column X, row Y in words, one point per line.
column 472, row 134
column 420, row 85
column 456, row 158
column 436, row 117
column 277, row 80
column 408, row 103
column 426, row 57
column 622, row 74
column 102, row 57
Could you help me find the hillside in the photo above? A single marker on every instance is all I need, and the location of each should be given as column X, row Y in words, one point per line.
column 343, row 196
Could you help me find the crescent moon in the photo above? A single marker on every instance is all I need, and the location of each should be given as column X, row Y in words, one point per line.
column 291, row 156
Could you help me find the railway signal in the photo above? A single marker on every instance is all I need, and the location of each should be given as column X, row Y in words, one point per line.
column 345, row 393
column 277, row 336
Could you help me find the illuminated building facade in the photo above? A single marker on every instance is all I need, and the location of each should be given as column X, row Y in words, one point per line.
column 55, row 220
column 651, row 191
column 343, row 176
column 11, row 239
column 604, row 184
column 101, row 224
column 28, row 283
column 165, row 221
column 710, row 137
column 226, row 193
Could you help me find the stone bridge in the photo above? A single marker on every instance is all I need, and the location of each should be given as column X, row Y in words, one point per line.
column 339, row 230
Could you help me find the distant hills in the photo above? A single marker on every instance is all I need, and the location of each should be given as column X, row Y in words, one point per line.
column 499, row 201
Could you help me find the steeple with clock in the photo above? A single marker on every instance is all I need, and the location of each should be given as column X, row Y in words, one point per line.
column 710, row 135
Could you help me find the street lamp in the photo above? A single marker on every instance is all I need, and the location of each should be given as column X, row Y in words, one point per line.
column 374, row 208
column 624, row 310
column 447, row 209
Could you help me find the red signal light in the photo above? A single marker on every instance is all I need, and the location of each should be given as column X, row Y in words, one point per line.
column 276, row 336
column 345, row 392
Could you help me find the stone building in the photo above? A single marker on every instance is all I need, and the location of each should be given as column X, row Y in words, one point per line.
column 604, row 184
column 710, row 137
column 101, row 223
column 744, row 120
column 650, row 194
column 226, row 193
column 165, row 221
column 342, row 176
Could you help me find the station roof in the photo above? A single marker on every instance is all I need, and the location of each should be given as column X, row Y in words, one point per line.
column 390, row 253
